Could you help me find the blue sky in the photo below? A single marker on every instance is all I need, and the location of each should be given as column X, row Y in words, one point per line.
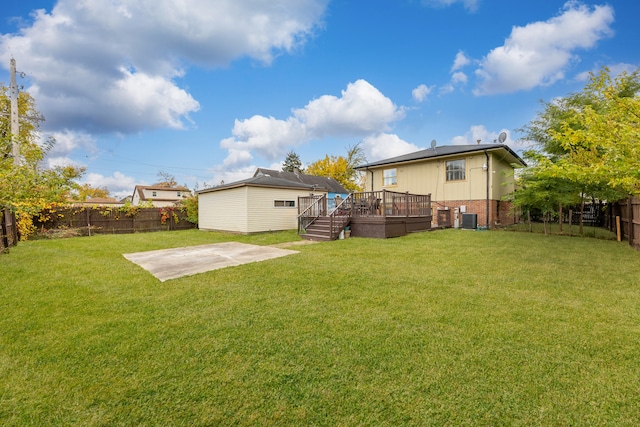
column 208, row 90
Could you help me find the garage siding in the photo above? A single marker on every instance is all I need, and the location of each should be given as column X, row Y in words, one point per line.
column 224, row 210
column 264, row 216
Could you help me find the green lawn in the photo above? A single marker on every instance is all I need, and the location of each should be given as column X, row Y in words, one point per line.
column 452, row 327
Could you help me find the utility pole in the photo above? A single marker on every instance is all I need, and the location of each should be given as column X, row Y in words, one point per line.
column 15, row 124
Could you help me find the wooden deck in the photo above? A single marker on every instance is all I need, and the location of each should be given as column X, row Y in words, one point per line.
column 378, row 214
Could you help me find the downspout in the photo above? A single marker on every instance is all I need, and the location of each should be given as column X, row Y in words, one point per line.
column 488, row 175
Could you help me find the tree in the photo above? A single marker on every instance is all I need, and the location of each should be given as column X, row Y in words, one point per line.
column 292, row 163
column 604, row 150
column 342, row 169
column 25, row 186
column 168, row 180
column 587, row 145
column 85, row 191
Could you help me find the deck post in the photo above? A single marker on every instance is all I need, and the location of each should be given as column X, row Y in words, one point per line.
column 407, row 204
column 384, row 203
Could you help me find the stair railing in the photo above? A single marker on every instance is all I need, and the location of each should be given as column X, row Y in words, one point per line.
column 316, row 209
column 340, row 216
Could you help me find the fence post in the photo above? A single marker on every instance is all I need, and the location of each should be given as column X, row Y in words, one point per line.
column 630, row 217
column 88, row 220
column 5, row 237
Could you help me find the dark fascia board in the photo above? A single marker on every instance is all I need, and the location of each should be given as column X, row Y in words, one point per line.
column 443, row 151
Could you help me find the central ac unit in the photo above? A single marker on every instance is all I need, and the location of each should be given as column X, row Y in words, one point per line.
column 469, row 221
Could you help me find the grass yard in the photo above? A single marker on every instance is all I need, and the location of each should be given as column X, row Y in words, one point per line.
column 452, row 327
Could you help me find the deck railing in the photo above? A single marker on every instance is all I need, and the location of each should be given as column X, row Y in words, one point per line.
column 390, row 203
column 310, row 209
column 340, row 216
column 382, row 204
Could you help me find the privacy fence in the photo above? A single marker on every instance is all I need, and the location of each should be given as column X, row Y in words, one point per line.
column 104, row 220
column 9, row 230
column 624, row 218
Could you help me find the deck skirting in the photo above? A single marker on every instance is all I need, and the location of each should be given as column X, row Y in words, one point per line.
column 390, row 226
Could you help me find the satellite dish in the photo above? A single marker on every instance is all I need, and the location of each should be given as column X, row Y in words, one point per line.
column 433, row 144
column 502, row 137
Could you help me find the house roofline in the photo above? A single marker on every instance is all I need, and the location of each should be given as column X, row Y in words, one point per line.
column 424, row 155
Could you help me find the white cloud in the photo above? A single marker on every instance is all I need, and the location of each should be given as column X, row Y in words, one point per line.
column 470, row 5
column 119, row 184
column 539, row 53
column 480, row 132
column 446, row 89
column 67, row 141
column 383, row 146
column 111, row 66
column 460, row 62
column 362, row 110
column 459, row 78
column 61, row 161
column 238, row 174
column 266, row 136
column 421, row 92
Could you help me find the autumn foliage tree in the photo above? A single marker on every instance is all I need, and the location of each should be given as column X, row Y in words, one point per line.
column 26, row 186
column 341, row 168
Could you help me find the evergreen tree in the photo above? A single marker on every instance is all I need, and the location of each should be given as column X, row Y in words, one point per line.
column 292, row 163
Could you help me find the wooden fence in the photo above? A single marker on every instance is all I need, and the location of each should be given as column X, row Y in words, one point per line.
column 104, row 220
column 8, row 230
column 624, row 218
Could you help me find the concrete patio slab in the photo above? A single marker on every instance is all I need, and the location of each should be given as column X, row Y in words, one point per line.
column 168, row 264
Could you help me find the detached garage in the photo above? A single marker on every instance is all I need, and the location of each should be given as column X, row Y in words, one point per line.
column 258, row 204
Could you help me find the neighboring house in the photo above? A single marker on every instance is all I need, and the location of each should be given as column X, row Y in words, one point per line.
column 460, row 178
column 100, row 201
column 159, row 195
column 268, row 201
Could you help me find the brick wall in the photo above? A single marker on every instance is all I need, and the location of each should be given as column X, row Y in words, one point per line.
column 500, row 212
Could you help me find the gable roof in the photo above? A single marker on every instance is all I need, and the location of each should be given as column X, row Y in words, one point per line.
column 162, row 188
column 330, row 184
column 261, row 181
column 139, row 189
column 447, row 150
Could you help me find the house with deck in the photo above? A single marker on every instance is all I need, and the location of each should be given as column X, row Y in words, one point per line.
column 466, row 182
column 379, row 214
column 268, row 201
column 320, row 208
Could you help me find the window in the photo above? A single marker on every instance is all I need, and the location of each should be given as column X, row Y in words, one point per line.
column 456, row 170
column 178, row 194
column 153, row 194
column 284, row 203
column 390, row 177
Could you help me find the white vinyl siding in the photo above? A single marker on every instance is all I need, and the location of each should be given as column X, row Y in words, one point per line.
column 223, row 210
column 249, row 209
column 264, row 216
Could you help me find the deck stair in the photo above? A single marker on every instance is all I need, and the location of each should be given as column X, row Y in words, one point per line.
column 317, row 223
column 320, row 229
